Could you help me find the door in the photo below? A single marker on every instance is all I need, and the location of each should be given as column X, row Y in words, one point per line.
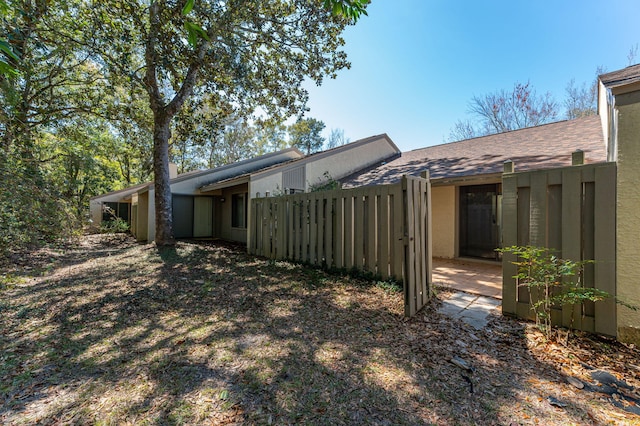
column 480, row 220
column 182, row 216
column 202, row 217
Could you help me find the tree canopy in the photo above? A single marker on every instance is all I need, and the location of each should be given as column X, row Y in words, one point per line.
column 89, row 89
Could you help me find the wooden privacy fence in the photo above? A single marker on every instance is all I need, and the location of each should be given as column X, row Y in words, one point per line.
column 570, row 210
column 384, row 230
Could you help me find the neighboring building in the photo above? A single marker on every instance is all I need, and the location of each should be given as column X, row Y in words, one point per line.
column 193, row 214
column 466, row 178
column 298, row 175
column 215, row 203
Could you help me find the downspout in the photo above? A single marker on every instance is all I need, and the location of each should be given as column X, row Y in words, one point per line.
column 612, row 145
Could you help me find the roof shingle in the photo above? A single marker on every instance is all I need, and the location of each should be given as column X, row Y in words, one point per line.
column 545, row 146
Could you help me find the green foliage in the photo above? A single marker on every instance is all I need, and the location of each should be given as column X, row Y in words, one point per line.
column 551, row 282
column 306, row 135
column 115, row 225
column 32, row 212
column 326, row 183
column 351, row 9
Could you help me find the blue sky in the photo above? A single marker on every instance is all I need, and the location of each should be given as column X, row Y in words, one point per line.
column 417, row 63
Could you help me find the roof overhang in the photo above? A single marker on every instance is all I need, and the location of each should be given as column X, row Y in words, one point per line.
column 467, row 180
column 227, row 183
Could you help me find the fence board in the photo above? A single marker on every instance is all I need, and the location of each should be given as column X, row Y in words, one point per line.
column 371, row 234
column 348, row 231
column 409, row 253
column 572, row 210
column 314, row 254
column 509, row 238
column 358, row 237
column 329, row 233
column 398, row 232
column 383, row 229
column 571, row 232
column 605, row 249
column 339, row 233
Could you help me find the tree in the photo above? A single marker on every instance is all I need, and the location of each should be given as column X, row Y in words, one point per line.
column 256, row 55
column 503, row 111
column 306, row 135
column 47, row 173
column 336, row 138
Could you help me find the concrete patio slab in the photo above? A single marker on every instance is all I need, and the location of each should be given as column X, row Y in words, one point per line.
column 472, row 309
column 481, row 278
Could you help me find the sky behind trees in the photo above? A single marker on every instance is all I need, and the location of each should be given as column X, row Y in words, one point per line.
column 416, row 64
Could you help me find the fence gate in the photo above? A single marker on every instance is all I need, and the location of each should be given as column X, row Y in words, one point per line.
column 384, row 230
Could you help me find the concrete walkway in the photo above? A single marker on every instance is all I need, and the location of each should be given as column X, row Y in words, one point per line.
column 470, row 308
column 478, row 288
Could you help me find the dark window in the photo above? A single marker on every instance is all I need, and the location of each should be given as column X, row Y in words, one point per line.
column 239, row 210
column 109, row 211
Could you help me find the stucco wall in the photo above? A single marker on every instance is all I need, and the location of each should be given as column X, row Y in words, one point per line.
column 95, row 209
column 628, row 216
column 143, row 217
column 346, row 162
column 443, row 210
column 227, row 232
column 269, row 183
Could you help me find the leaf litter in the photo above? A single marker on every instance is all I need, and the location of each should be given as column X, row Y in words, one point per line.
column 105, row 330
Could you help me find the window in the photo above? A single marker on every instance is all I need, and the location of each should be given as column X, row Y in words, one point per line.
column 239, row 210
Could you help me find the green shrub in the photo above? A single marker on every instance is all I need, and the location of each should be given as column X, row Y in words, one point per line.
column 114, row 226
column 551, row 282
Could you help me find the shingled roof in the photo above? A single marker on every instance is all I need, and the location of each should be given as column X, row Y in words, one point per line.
column 621, row 77
column 540, row 147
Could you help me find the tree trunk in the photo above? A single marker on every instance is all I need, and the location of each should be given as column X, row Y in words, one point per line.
column 163, row 201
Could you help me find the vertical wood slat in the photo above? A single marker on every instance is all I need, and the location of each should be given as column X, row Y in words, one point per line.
column 358, row 236
column 425, row 219
column 398, row 233
column 522, row 237
column 538, row 215
column 348, row 231
column 384, row 228
column 297, row 229
column 320, row 232
column 251, row 246
column 281, row 234
column 588, row 250
column 304, row 226
column 314, row 225
column 371, row 235
column 372, row 228
column 410, row 277
column 571, row 232
column 605, row 248
column 328, row 230
column 510, row 238
column 339, row 232
column 418, row 228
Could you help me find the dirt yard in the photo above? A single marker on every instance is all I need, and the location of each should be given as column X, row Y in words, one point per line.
column 107, row 331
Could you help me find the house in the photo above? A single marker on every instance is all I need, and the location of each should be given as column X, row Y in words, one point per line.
column 466, row 178
column 214, row 203
column 193, row 214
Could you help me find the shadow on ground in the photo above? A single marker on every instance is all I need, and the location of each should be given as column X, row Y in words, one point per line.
column 204, row 333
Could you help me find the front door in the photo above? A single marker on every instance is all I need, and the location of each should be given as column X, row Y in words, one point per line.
column 480, row 218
